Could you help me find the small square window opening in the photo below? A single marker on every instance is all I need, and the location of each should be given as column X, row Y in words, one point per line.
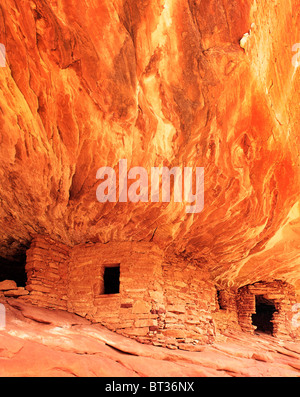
column 112, row 280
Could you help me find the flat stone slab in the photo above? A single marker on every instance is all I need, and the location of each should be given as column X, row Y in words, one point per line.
column 8, row 285
column 36, row 339
column 16, row 292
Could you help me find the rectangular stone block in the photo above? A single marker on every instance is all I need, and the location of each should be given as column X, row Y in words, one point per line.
column 135, row 331
column 141, row 307
column 145, row 322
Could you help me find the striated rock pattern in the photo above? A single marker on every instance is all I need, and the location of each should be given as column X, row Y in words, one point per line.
column 159, row 83
column 58, row 344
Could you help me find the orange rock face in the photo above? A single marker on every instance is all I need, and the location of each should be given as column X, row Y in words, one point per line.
column 159, row 83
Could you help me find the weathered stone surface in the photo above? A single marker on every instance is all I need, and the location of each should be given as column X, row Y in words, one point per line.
column 167, row 302
column 160, row 83
column 16, row 292
column 156, row 83
column 57, row 343
column 8, row 285
column 141, row 307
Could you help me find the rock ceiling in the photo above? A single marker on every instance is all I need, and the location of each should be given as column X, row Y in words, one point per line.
column 159, row 83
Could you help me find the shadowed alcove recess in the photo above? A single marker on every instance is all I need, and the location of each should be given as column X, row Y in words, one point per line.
column 266, row 307
column 14, row 269
column 263, row 316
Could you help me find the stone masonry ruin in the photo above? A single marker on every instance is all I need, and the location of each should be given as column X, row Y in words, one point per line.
column 267, row 307
column 135, row 289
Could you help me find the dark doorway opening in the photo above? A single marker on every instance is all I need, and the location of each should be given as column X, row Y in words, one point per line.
column 14, row 269
column 221, row 300
column 262, row 319
column 112, row 280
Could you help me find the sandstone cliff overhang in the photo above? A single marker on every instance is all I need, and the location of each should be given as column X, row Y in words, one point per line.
column 156, row 83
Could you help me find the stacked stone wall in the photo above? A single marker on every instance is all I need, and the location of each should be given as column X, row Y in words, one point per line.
column 47, row 272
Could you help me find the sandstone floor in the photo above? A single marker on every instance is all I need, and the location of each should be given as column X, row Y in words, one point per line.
column 46, row 343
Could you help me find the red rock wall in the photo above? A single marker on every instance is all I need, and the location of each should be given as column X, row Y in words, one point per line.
column 157, row 83
column 190, row 301
column 226, row 315
column 47, row 273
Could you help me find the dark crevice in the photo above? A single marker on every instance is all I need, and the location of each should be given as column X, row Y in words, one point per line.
column 14, row 269
column 264, row 310
column 121, row 351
